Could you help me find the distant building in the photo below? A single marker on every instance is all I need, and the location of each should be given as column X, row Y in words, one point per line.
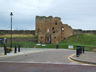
column 51, row 30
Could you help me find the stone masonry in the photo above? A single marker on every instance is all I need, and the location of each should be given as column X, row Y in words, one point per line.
column 51, row 30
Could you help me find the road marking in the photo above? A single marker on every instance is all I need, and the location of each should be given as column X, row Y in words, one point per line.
column 82, row 63
column 33, row 62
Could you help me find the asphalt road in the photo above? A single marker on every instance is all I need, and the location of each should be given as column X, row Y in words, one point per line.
column 45, row 61
column 37, row 67
column 59, row 56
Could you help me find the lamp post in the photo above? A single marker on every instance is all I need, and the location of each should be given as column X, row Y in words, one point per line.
column 11, row 14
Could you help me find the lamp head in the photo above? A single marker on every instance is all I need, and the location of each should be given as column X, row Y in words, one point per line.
column 11, row 14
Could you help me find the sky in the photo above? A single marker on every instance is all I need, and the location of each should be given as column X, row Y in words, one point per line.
column 79, row 14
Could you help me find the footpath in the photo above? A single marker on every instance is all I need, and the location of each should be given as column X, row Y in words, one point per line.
column 87, row 57
column 22, row 51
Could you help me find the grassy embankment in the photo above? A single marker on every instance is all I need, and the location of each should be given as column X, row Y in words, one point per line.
column 17, row 36
column 87, row 40
column 23, row 42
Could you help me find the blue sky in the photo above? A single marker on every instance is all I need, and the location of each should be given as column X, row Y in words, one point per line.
column 80, row 14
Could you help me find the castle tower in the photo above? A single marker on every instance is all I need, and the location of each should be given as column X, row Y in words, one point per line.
column 51, row 30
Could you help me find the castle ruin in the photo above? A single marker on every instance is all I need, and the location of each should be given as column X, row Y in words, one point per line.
column 51, row 29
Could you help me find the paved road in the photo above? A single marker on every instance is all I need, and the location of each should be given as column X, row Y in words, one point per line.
column 36, row 67
column 51, row 56
column 45, row 61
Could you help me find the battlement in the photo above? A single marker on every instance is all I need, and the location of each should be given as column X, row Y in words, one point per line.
column 49, row 17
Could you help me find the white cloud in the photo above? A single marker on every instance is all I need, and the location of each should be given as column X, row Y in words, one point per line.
column 77, row 13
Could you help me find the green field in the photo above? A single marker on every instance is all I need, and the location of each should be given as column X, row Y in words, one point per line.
column 23, row 40
column 86, row 40
column 17, row 36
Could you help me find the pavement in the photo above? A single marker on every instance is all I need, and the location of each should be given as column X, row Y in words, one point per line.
column 22, row 52
column 87, row 57
column 54, row 56
column 50, row 56
column 1, row 51
column 45, row 60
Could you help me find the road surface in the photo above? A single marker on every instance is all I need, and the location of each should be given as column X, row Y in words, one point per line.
column 44, row 61
column 51, row 56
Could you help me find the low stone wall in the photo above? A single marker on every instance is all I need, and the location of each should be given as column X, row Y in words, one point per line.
column 17, row 32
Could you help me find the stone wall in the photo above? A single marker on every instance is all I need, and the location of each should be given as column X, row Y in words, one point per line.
column 17, row 32
column 80, row 31
column 51, row 30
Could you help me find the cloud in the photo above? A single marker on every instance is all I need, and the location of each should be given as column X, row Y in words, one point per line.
column 77, row 13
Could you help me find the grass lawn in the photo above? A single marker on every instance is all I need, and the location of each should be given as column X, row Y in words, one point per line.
column 17, row 36
column 24, row 44
column 86, row 40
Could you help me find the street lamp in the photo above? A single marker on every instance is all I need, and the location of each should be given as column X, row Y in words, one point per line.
column 11, row 14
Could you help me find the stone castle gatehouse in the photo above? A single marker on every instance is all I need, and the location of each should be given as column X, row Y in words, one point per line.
column 51, row 30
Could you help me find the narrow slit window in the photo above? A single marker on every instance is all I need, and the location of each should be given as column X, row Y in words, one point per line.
column 56, row 23
column 53, row 31
column 38, row 30
column 52, row 28
column 62, row 29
